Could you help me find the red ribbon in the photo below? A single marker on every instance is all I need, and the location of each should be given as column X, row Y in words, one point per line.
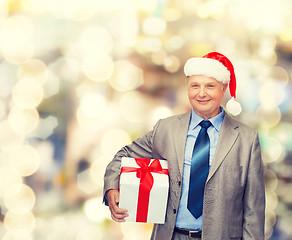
column 146, row 183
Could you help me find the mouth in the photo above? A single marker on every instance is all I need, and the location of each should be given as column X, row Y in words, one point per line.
column 203, row 102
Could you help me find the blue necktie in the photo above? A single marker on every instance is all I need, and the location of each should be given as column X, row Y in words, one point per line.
column 199, row 170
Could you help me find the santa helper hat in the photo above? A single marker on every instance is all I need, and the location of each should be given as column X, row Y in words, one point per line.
column 217, row 66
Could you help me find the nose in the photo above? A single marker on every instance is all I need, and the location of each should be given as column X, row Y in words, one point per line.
column 202, row 92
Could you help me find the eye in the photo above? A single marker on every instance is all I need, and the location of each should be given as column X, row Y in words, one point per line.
column 194, row 85
column 210, row 85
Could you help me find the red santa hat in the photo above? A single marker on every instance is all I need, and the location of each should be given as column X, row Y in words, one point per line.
column 217, row 66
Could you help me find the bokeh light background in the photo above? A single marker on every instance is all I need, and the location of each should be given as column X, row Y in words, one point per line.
column 81, row 78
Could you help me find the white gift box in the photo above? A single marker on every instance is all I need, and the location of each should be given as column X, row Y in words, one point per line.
column 134, row 198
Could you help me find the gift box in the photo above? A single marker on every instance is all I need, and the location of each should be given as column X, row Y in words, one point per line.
column 144, row 188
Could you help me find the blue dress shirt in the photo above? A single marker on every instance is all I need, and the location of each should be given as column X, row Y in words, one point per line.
column 184, row 218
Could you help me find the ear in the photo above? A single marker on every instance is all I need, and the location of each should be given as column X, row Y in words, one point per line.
column 225, row 87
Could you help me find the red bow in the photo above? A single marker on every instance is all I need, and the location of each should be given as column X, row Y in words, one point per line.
column 146, row 183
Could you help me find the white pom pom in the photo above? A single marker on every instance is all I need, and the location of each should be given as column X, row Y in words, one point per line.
column 233, row 107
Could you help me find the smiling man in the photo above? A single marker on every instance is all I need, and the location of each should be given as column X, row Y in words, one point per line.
column 215, row 167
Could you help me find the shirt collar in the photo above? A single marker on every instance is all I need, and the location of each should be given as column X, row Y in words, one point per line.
column 216, row 121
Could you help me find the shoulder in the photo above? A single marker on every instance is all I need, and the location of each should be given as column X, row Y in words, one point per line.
column 238, row 125
column 184, row 117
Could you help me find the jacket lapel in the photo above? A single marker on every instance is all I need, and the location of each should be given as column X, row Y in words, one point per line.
column 227, row 138
column 179, row 137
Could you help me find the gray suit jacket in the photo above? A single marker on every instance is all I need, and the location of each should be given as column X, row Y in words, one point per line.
column 234, row 199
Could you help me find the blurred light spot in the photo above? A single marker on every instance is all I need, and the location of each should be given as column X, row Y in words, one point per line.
column 200, row 49
column 93, row 104
column 98, row 68
column 46, row 151
column 20, row 53
column 2, row 110
column 172, row 14
column 270, row 116
column 78, row 10
column 9, row 139
column 95, row 211
column 147, row 5
column 55, row 7
column 271, row 94
column 115, row 5
column 133, row 107
column 67, row 68
column 286, row 195
column 160, row 113
column 248, row 99
column 130, row 232
column 97, row 167
column 23, row 120
column 264, row 45
column 174, row 43
column 172, row 64
column 25, row 159
column 113, row 140
column 17, row 221
column 280, row 75
column 211, row 9
column 283, row 133
column 126, row 76
column 61, row 228
column 85, row 183
column 96, row 41
column 27, row 93
column 33, row 6
column 17, row 235
column 269, row 222
column 154, row 26
column 19, row 199
column 52, row 86
column 4, row 10
column 273, row 148
column 271, row 200
column 91, row 123
column 125, row 29
column 15, row 39
column 92, row 113
column 96, row 171
column 34, row 68
column 9, row 177
column 46, row 127
column 271, row 180
column 286, row 34
column 152, row 44
column 269, row 20
column 82, row 89
column 7, row 78
column 159, row 57
column 15, row 30
column 149, row 44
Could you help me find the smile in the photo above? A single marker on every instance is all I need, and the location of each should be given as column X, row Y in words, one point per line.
column 203, row 101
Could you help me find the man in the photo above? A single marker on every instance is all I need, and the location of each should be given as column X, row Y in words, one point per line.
column 215, row 167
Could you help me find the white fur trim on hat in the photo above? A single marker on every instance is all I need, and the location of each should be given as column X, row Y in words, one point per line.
column 207, row 67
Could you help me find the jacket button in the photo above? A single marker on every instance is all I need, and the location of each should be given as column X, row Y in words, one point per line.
column 174, row 211
column 179, row 183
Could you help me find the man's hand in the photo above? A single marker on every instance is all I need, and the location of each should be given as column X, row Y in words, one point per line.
column 118, row 214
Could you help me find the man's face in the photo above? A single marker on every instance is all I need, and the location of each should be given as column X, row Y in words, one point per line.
column 205, row 95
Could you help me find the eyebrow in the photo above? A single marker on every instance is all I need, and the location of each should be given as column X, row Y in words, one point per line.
column 203, row 83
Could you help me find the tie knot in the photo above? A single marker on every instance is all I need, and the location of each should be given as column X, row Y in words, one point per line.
column 205, row 124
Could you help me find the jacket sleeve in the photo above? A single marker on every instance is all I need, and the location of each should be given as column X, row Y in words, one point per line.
column 254, row 196
column 140, row 148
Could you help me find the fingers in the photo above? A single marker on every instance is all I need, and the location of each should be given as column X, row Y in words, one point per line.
column 117, row 214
